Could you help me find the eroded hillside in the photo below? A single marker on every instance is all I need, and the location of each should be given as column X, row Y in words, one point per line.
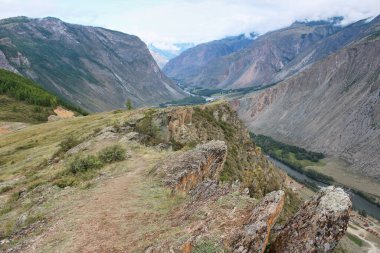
column 332, row 107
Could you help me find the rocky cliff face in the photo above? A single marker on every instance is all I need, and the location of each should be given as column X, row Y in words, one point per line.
column 319, row 224
column 331, row 107
column 95, row 68
column 317, row 227
column 186, row 171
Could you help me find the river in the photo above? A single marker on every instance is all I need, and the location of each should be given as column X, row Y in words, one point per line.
column 358, row 202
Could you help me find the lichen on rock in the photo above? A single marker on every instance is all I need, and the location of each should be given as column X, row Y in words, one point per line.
column 254, row 236
column 183, row 172
column 318, row 225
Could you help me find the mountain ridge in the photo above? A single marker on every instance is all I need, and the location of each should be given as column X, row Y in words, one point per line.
column 95, row 68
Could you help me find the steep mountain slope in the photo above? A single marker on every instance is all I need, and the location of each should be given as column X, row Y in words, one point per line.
column 188, row 65
column 270, row 58
column 95, row 68
column 22, row 100
column 255, row 64
column 332, row 107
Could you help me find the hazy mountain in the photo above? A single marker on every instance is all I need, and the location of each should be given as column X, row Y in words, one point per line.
column 96, row 68
column 189, row 66
column 256, row 64
column 163, row 53
column 331, row 107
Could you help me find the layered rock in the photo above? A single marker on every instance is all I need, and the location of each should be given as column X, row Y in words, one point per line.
column 186, row 171
column 318, row 225
column 255, row 234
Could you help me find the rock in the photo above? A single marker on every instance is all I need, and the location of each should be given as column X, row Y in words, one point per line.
column 319, row 224
column 208, row 190
column 163, row 146
column 53, row 118
column 186, row 171
column 134, row 136
column 254, row 236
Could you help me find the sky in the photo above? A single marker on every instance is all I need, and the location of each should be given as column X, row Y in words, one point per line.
column 165, row 22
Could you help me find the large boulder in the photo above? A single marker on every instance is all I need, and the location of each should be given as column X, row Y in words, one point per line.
column 183, row 172
column 254, row 236
column 319, row 224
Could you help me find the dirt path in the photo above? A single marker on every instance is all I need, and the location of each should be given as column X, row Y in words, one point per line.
column 116, row 216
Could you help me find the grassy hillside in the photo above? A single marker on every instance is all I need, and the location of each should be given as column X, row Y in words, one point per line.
column 39, row 177
column 22, row 100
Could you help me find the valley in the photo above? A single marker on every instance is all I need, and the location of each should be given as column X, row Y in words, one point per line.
column 238, row 134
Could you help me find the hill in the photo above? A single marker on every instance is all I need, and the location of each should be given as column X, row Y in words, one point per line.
column 94, row 68
column 183, row 178
column 22, row 100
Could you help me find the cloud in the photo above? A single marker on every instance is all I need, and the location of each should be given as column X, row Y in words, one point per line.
column 196, row 21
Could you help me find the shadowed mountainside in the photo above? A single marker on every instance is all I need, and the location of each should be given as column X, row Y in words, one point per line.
column 95, row 68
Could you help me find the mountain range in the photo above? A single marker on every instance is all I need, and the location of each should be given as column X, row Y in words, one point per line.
column 94, row 68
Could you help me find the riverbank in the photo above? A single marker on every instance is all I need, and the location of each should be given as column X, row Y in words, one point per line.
column 339, row 170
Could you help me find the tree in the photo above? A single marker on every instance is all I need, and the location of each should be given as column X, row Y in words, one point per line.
column 128, row 104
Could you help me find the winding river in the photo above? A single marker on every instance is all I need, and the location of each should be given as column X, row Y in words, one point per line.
column 358, row 202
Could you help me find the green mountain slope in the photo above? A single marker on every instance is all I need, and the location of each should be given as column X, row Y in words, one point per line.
column 22, row 100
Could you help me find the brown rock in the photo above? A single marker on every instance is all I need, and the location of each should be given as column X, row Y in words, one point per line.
column 255, row 234
column 318, row 226
column 185, row 171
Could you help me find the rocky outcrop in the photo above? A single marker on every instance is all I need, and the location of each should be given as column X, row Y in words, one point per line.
column 319, row 224
column 186, row 171
column 255, row 234
column 94, row 68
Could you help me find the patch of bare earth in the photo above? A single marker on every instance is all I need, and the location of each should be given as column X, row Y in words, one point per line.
column 63, row 113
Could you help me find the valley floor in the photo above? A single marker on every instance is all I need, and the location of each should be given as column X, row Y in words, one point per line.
column 339, row 170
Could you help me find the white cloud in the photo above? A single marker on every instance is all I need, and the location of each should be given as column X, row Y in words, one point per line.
column 196, row 21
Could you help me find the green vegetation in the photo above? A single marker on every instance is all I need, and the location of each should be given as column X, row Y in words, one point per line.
column 355, row 239
column 207, row 247
column 128, row 104
column 82, row 164
column 23, row 100
column 192, row 100
column 68, row 143
column 363, row 213
column 295, row 157
column 206, row 92
column 111, row 154
column 23, row 89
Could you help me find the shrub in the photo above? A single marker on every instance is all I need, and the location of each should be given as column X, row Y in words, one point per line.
column 83, row 164
column 112, row 154
column 68, row 143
